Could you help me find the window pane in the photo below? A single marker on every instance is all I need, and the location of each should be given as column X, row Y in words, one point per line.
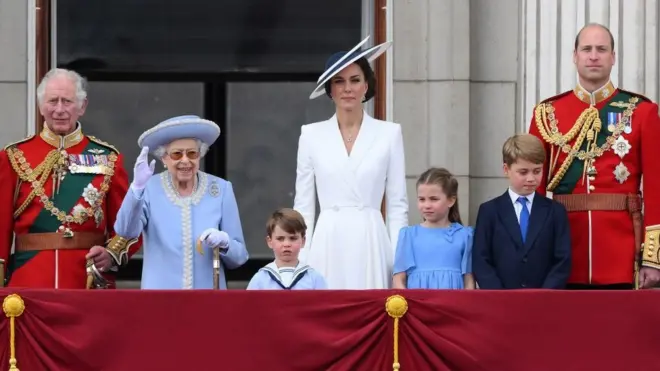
column 263, row 126
column 118, row 112
column 205, row 36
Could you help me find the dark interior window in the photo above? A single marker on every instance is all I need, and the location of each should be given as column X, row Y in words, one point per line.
column 202, row 36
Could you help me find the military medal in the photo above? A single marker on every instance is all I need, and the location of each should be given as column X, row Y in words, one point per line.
column 628, row 128
column 621, row 146
column 88, row 164
column 612, row 119
column 621, row 173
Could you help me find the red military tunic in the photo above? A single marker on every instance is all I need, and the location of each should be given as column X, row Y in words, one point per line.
column 57, row 222
column 603, row 239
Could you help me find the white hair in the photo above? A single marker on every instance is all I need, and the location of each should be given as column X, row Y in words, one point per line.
column 160, row 151
column 78, row 81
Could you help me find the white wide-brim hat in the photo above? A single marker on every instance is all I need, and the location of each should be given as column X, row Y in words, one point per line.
column 341, row 60
column 180, row 127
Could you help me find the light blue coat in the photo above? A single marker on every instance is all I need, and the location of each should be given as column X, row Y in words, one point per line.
column 171, row 225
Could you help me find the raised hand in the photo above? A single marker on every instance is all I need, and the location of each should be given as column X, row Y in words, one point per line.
column 143, row 171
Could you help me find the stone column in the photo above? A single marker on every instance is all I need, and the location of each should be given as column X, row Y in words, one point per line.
column 494, row 74
column 549, row 28
column 431, row 73
column 13, row 70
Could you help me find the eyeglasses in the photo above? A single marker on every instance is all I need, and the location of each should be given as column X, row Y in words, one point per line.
column 176, row 155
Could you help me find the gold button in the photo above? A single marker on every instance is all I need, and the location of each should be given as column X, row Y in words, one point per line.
column 591, row 187
column 592, row 178
column 650, row 253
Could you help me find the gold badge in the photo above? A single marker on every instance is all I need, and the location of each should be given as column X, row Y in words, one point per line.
column 214, row 189
column 591, row 171
column 621, row 173
column 620, row 104
column 621, row 146
column 98, row 216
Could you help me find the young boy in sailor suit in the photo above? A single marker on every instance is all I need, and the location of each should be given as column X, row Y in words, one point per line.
column 286, row 236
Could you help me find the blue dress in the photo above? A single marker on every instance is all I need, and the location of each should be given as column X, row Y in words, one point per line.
column 434, row 258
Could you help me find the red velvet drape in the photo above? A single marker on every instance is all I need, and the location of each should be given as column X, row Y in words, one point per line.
column 334, row 330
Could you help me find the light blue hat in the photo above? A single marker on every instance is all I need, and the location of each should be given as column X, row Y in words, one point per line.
column 180, row 127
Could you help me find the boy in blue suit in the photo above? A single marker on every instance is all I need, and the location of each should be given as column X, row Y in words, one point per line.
column 521, row 238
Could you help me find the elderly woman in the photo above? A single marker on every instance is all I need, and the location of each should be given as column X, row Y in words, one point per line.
column 180, row 208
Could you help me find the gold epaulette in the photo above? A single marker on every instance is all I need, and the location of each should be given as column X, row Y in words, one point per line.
column 26, row 139
column 643, row 98
column 555, row 97
column 651, row 247
column 102, row 143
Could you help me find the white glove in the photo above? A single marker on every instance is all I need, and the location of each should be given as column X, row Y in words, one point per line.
column 214, row 238
column 142, row 171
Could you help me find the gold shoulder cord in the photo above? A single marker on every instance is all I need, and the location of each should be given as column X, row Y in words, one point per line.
column 588, row 125
column 38, row 177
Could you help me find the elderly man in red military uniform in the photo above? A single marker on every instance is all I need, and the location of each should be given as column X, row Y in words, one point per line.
column 600, row 140
column 66, row 189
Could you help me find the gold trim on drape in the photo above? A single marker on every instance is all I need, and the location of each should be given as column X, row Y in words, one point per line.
column 396, row 306
column 13, row 306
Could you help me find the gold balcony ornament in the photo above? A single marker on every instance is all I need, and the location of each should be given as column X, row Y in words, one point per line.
column 13, row 307
column 396, row 306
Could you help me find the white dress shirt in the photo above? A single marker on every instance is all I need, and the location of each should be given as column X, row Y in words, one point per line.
column 518, row 206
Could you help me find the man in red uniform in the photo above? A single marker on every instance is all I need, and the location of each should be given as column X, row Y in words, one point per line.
column 66, row 189
column 600, row 140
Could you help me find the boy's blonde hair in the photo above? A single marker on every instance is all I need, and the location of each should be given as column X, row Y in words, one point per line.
column 289, row 220
column 523, row 147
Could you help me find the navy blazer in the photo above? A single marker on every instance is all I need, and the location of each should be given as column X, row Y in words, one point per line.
column 500, row 260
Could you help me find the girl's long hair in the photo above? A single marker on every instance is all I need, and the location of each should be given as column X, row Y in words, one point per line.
column 445, row 180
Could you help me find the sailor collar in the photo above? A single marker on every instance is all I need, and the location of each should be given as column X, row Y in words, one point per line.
column 274, row 272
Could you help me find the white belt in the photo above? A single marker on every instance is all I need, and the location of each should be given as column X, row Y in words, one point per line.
column 339, row 207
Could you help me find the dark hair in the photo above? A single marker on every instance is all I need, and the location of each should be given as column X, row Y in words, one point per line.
column 445, row 180
column 369, row 77
column 289, row 220
column 577, row 37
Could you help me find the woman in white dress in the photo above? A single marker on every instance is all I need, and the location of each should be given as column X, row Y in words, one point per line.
column 351, row 161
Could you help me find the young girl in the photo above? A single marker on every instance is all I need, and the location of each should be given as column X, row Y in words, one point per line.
column 437, row 253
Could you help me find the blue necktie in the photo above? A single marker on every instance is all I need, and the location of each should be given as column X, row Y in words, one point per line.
column 524, row 217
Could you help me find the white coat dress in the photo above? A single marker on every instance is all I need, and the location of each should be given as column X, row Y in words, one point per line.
column 350, row 244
